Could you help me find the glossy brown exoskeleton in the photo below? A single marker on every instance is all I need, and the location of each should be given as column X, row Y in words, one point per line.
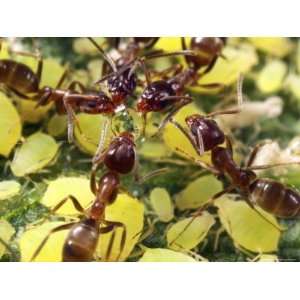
column 83, row 237
column 18, row 77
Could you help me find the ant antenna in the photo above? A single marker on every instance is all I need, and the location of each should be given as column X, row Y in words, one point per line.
column 105, row 56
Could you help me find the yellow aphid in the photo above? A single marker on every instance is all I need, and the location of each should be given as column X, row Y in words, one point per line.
column 174, row 138
column 52, row 72
column 31, row 239
column 180, row 236
column 198, row 192
column 10, row 125
column 292, row 83
column 6, row 233
column 277, row 46
column 154, row 150
column 65, row 186
column 226, row 71
column 34, row 154
column 91, row 128
column 165, row 255
column 4, row 51
column 270, row 79
column 267, row 258
column 9, row 188
column 246, row 227
column 129, row 211
column 162, row 204
column 84, row 46
column 57, row 125
column 169, row 44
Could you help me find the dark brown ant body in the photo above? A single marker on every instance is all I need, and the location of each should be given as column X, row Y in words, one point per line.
column 18, row 77
column 270, row 195
column 167, row 94
column 83, row 237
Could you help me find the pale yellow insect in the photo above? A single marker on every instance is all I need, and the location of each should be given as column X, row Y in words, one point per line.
column 247, row 228
column 10, row 125
column 6, row 233
column 181, row 236
column 165, row 255
column 38, row 151
column 9, row 188
column 162, row 204
column 198, row 192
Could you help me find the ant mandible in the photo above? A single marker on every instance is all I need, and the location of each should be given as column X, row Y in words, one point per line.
column 83, row 237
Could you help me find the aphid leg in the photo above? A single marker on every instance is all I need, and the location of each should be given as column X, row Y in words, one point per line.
column 217, row 238
column 198, row 149
column 199, row 211
column 102, row 140
column 254, row 152
column 112, row 227
column 184, row 100
column 105, row 55
column 44, row 241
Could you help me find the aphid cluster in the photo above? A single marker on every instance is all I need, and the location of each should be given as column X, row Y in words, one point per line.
column 127, row 70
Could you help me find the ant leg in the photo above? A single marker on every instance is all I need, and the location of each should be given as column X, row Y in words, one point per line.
column 239, row 101
column 200, row 210
column 140, row 62
column 74, row 201
column 254, row 152
column 73, row 84
column 263, row 167
column 144, row 117
column 175, row 53
column 93, row 183
column 210, row 66
column 62, row 79
column 105, row 55
column 185, row 101
column 175, row 69
column 44, row 241
column 202, row 164
column 141, row 180
column 123, row 237
column 199, row 149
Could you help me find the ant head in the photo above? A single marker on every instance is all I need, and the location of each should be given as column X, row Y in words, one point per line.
column 192, row 119
column 121, row 85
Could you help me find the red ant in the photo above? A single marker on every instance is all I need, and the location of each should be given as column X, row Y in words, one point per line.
column 123, row 80
column 270, row 195
column 83, row 237
column 167, row 94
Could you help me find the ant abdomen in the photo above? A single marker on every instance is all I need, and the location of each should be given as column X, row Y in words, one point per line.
column 81, row 241
column 275, row 198
column 120, row 157
column 13, row 74
column 208, row 47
